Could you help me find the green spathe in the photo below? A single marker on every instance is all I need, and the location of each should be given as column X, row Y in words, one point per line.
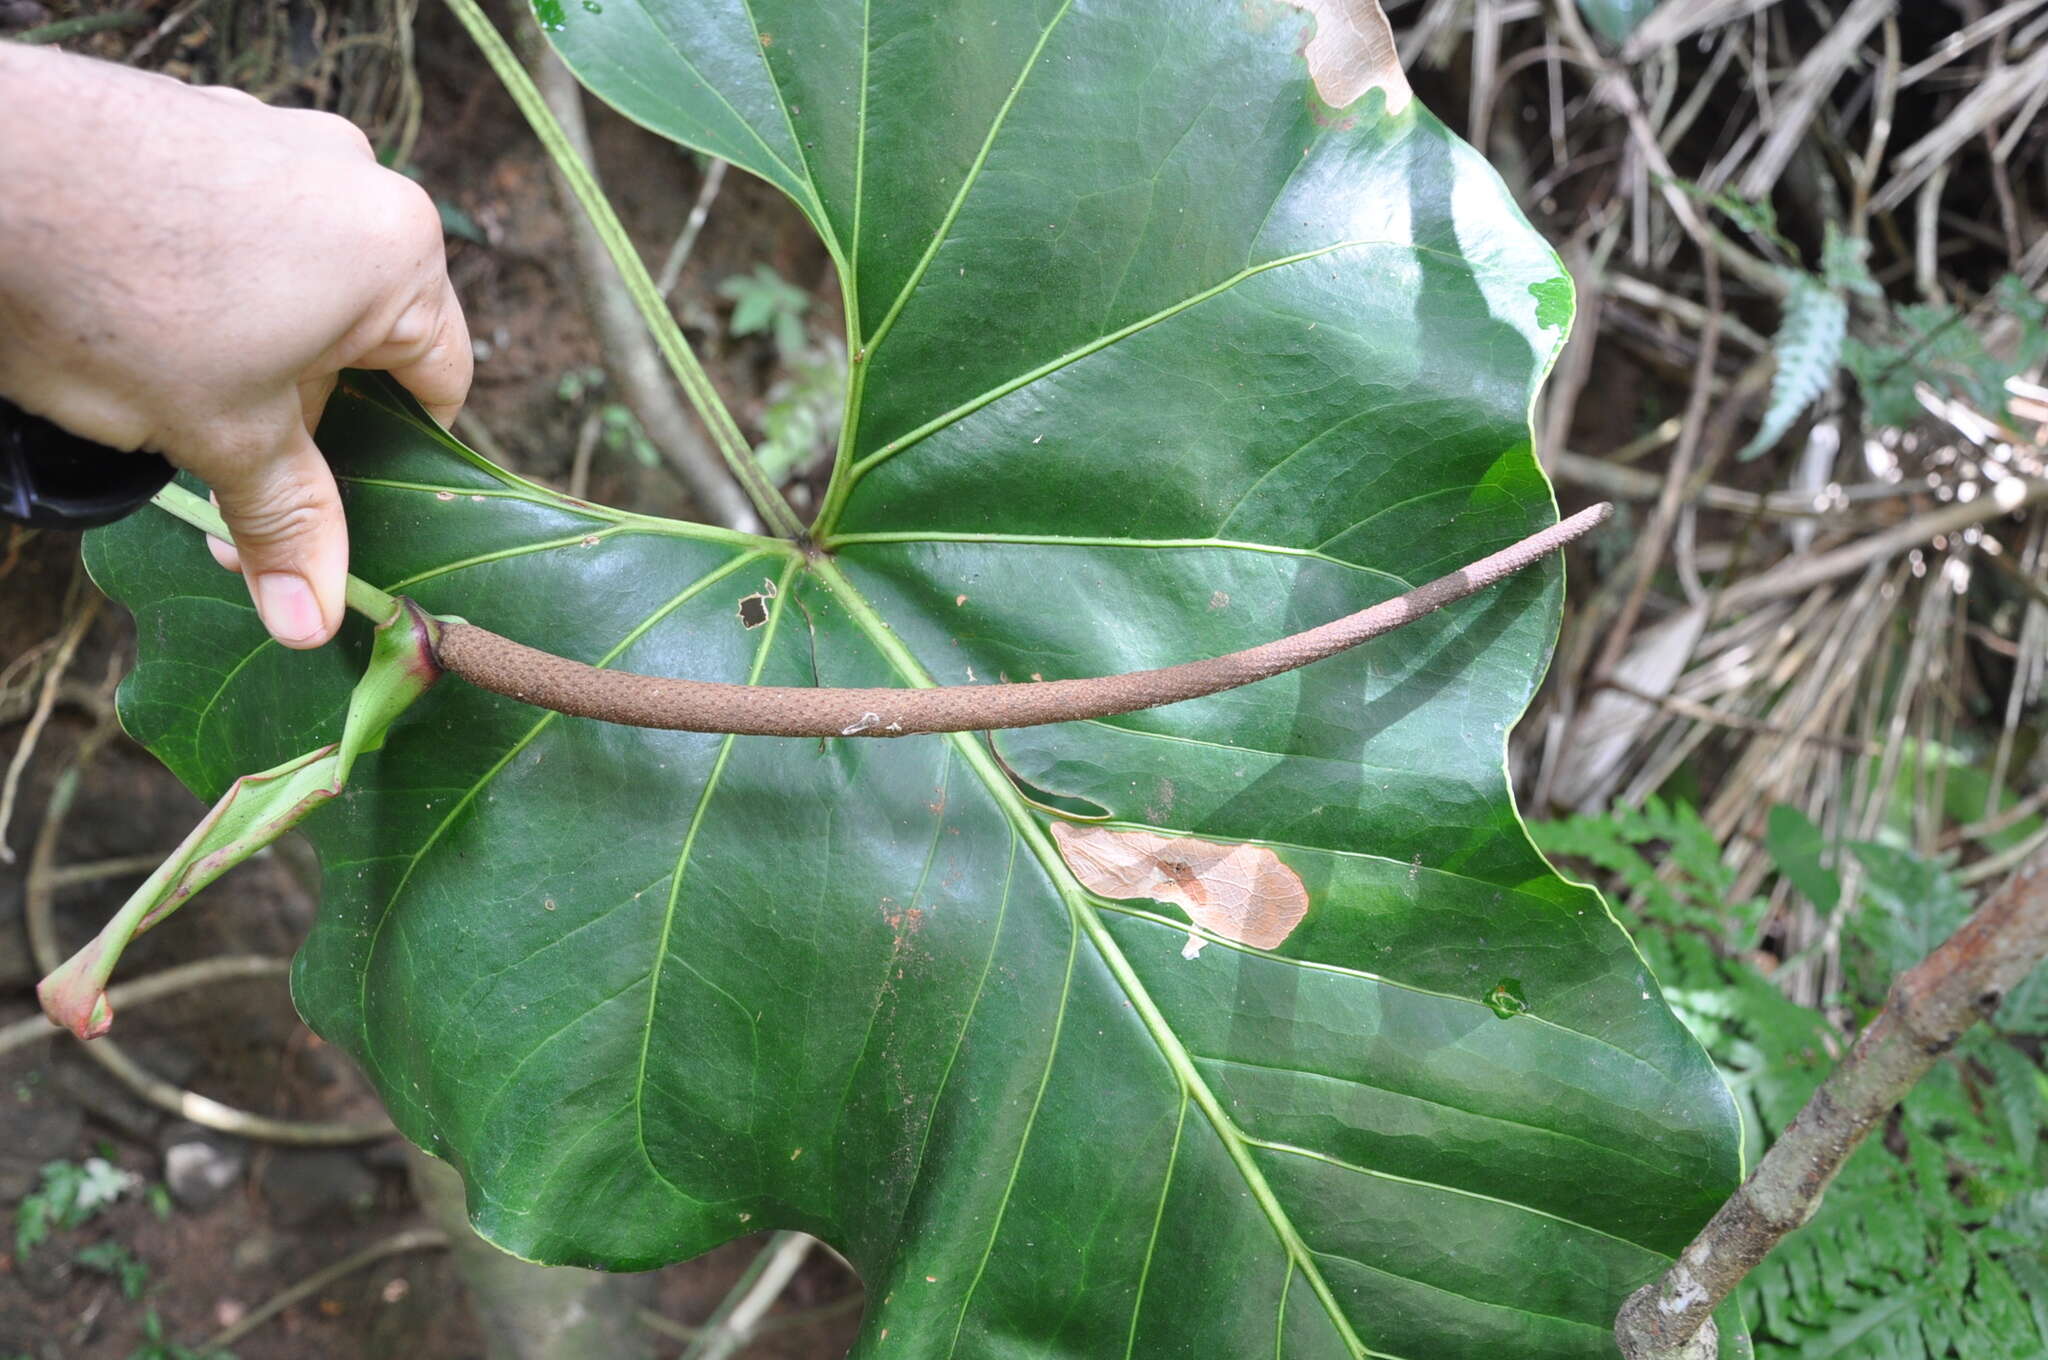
column 1158, row 357
column 254, row 812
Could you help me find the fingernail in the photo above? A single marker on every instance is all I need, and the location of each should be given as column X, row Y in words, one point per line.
column 288, row 608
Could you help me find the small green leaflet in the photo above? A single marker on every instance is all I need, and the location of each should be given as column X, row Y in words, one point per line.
column 1614, row 20
column 1808, row 347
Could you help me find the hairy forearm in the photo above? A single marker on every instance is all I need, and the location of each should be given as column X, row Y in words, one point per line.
column 89, row 257
column 35, row 208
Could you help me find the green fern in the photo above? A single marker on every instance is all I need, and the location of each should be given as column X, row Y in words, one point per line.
column 1808, row 347
column 1912, row 904
column 1932, row 1244
column 1693, row 898
column 1934, row 343
column 2026, row 1007
column 1937, row 1254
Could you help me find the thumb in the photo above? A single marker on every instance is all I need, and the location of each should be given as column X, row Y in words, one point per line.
column 279, row 500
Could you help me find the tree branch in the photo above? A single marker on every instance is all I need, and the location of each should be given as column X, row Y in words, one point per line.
column 520, row 672
column 629, row 352
column 1931, row 1004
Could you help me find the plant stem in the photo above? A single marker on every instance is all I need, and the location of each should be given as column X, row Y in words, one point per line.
column 207, row 973
column 372, row 603
column 39, row 918
column 725, row 431
column 85, row 25
column 636, row 369
column 738, row 1316
column 679, row 253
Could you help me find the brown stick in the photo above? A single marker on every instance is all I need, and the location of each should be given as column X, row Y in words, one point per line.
column 629, row 352
column 520, row 672
column 1931, row 1004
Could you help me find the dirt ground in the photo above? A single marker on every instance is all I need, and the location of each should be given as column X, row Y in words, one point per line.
column 291, row 1212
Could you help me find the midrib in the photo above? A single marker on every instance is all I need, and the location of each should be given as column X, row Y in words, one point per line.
column 906, row 665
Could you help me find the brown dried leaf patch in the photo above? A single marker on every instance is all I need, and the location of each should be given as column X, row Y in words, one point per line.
column 1353, row 51
column 1243, row 893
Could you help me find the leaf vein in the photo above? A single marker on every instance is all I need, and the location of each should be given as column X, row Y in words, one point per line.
column 1158, row 1217
column 662, row 955
column 1024, row 1140
column 717, row 93
column 370, row 1054
column 967, row 183
column 1075, row 355
column 1661, row 1172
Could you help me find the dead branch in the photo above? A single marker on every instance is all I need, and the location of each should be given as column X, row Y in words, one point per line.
column 1931, row 1004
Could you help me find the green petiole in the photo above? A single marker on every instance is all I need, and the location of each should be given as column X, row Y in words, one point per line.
column 372, row 603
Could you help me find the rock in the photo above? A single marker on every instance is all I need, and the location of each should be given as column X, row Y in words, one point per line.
column 202, row 1165
column 23, row 14
column 302, row 1187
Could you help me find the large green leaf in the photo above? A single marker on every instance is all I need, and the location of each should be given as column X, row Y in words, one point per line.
column 1160, row 356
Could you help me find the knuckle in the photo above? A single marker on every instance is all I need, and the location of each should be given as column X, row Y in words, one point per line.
column 450, row 347
column 341, row 130
column 414, row 220
column 412, row 333
column 268, row 526
column 284, row 512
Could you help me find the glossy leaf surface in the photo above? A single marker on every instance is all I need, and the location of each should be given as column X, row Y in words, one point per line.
column 1160, row 356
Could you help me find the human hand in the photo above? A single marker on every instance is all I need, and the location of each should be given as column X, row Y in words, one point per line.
column 187, row 270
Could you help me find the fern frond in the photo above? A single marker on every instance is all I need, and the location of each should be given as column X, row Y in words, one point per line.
column 1919, row 904
column 1937, row 345
column 2026, row 1007
column 1808, row 347
column 1932, row 1243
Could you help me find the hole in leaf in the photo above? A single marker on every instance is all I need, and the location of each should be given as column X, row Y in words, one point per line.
column 754, row 608
column 1506, row 998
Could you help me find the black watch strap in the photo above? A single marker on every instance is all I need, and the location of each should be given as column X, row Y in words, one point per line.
column 53, row 479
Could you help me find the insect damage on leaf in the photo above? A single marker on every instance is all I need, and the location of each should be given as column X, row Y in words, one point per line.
column 753, row 609
column 1506, row 998
column 1353, row 51
column 1241, row 892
